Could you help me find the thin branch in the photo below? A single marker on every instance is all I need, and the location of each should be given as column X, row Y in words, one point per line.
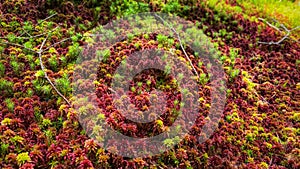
column 27, row 33
column 263, row 20
column 48, row 18
column 42, row 34
column 287, row 32
column 278, row 42
column 15, row 44
column 44, row 41
column 45, row 73
column 41, row 61
column 21, row 35
column 57, row 43
column 295, row 28
column 178, row 37
column 31, row 36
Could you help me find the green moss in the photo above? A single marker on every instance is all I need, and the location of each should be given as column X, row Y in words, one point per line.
column 284, row 11
column 4, row 148
column 6, row 121
column 2, row 69
column 264, row 165
column 17, row 139
column 268, row 145
column 9, row 104
column 23, row 158
column 250, row 137
column 46, row 122
column 160, row 123
column 296, row 117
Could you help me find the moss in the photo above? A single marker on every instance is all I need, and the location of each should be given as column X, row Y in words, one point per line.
column 160, row 123
column 268, row 145
column 264, row 165
column 250, row 137
column 46, row 122
column 296, row 117
column 10, row 104
column 6, row 121
column 2, row 69
column 23, row 158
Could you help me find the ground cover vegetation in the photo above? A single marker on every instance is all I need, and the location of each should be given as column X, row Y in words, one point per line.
column 41, row 40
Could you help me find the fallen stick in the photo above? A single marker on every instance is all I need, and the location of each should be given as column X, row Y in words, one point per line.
column 286, row 30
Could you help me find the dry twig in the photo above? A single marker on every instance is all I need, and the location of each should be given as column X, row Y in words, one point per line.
column 178, row 37
column 285, row 29
column 47, row 18
column 45, row 73
column 39, row 53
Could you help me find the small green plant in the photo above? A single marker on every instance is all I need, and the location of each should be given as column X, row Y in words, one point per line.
column 161, row 38
column 137, row 45
column 146, row 36
column 203, row 79
column 228, row 118
column 15, row 65
column 39, row 73
column 170, row 42
column 160, row 123
column 200, row 64
column 63, row 60
column 49, row 136
column 205, row 157
column 4, row 149
column 74, row 51
column 46, row 89
column 169, row 143
column 133, row 89
column 168, row 69
column 23, row 158
column 148, row 82
column 233, row 53
column 53, row 62
column 130, row 36
column 6, row 121
column 63, row 84
column 2, row 69
column 17, row 139
column 103, row 54
column 250, row 137
column 128, row 7
column 28, row 45
column 6, row 87
column 234, row 73
column 140, row 84
column 10, row 104
column 46, row 122
column 176, row 102
column 11, row 37
column 28, row 26
column 171, row 6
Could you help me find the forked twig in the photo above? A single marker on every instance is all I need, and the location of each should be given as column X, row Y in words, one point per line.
column 286, row 30
column 263, row 20
column 31, row 36
column 57, row 43
column 178, row 37
column 45, row 73
column 39, row 53
column 15, row 44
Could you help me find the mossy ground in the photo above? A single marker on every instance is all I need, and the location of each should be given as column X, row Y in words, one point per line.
column 260, row 126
